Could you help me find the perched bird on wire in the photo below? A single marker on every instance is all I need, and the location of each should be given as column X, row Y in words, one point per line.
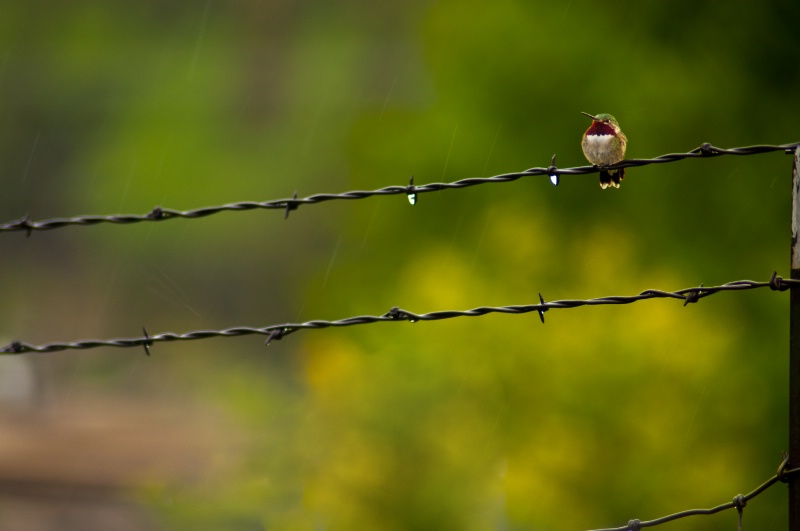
column 604, row 144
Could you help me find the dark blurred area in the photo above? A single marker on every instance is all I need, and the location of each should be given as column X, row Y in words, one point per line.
column 602, row 415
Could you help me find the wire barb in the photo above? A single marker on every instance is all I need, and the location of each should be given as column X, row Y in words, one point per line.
column 395, row 314
column 157, row 214
column 739, row 502
column 544, row 309
column 693, row 296
column 275, row 332
column 782, row 474
column 23, row 223
column 291, row 205
column 777, row 283
column 707, row 150
column 15, row 348
column 147, row 343
column 287, row 205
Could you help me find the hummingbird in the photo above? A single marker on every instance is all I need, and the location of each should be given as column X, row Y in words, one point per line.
column 604, row 144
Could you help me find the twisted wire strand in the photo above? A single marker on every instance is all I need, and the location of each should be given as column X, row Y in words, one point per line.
column 278, row 331
column 288, row 204
column 739, row 501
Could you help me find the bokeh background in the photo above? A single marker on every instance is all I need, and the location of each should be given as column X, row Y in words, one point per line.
column 602, row 415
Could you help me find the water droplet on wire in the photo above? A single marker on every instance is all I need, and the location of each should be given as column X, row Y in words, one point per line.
column 412, row 193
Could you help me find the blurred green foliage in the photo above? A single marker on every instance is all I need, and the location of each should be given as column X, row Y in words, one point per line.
column 602, row 415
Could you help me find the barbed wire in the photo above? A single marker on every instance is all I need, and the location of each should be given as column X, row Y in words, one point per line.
column 275, row 332
column 412, row 191
column 739, row 502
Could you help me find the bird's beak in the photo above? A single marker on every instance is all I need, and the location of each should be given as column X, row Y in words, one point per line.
column 590, row 116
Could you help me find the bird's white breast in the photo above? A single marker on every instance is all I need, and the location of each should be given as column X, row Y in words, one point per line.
column 598, row 150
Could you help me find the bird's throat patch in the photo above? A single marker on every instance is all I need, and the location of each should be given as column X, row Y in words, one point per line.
column 600, row 128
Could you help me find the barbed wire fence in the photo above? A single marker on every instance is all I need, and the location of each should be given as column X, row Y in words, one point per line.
column 787, row 470
column 279, row 331
column 411, row 190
